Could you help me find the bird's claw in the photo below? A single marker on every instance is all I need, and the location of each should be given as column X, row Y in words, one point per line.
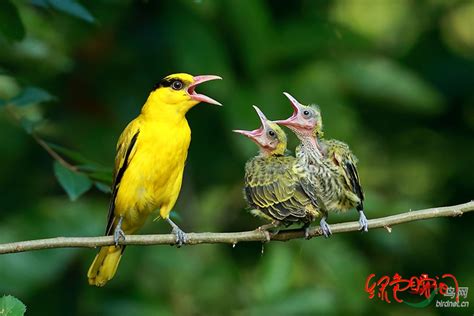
column 364, row 224
column 265, row 230
column 181, row 237
column 305, row 229
column 118, row 235
column 118, row 232
column 266, row 233
column 326, row 230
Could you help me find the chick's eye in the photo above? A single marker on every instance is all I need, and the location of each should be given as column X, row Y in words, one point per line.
column 271, row 133
column 177, row 85
column 305, row 112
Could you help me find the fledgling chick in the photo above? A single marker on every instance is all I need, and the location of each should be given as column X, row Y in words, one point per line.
column 273, row 183
column 330, row 162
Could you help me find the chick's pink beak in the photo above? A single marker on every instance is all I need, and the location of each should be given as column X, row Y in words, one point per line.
column 296, row 110
column 261, row 116
column 254, row 135
column 197, row 80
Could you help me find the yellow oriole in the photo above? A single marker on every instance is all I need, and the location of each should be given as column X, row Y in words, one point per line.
column 151, row 153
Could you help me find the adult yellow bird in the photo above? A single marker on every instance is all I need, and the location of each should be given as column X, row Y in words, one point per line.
column 149, row 165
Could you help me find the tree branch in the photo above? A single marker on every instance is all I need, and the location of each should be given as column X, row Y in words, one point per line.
column 233, row 238
column 53, row 153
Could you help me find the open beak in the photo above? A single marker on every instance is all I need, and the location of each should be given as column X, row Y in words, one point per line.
column 197, row 80
column 250, row 134
column 256, row 134
column 296, row 110
column 262, row 116
column 253, row 135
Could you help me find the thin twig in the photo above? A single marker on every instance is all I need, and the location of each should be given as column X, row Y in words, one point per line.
column 53, row 153
column 42, row 143
column 233, row 238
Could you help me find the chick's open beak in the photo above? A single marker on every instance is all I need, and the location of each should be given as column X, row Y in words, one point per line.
column 257, row 135
column 262, row 116
column 201, row 97
column 254, row 135
column 293, row 119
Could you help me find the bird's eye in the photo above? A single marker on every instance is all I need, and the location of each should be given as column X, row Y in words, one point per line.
column 306, row 113
column 177, row 85
column 271, row 133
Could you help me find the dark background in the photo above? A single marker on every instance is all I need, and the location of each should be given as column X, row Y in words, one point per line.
column 394, row 79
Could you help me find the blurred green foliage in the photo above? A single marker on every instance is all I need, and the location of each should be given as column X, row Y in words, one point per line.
column 394, row 79
column 11, row 306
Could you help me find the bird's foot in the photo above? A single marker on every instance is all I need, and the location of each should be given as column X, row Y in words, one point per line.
column 265, row 230
column 326, row 230
column 181, row 237
column 364, row 224
column 266, row 233
column 118, row 232
column 305, row 229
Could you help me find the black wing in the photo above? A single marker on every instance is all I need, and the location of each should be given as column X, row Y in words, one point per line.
column 122, row 160
column 351, row 171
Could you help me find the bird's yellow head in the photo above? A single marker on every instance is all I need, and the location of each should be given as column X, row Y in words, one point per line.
column 305, row 120
column 177, row 91
column 270, row 138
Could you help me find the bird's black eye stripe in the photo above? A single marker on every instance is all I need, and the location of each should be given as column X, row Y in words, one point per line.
column 168, row 82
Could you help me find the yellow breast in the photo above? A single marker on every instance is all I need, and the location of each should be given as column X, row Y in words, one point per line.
column 154, row 176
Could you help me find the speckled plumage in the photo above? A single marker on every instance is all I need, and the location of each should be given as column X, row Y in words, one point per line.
column 275, row 186
column 330, row 163
column 334, row 175
column 339, row 155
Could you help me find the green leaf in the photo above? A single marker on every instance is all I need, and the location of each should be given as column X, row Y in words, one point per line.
column 175, row 216
column 10, row 22
column 101, row 177
column 71, row 154
column 95, row 168
column 97, row 172
column 73, row 8
column 74, row 183
column 29, row 125
column 11, row 306
column 88, row 167
column 31, row 95
column 102, row 187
